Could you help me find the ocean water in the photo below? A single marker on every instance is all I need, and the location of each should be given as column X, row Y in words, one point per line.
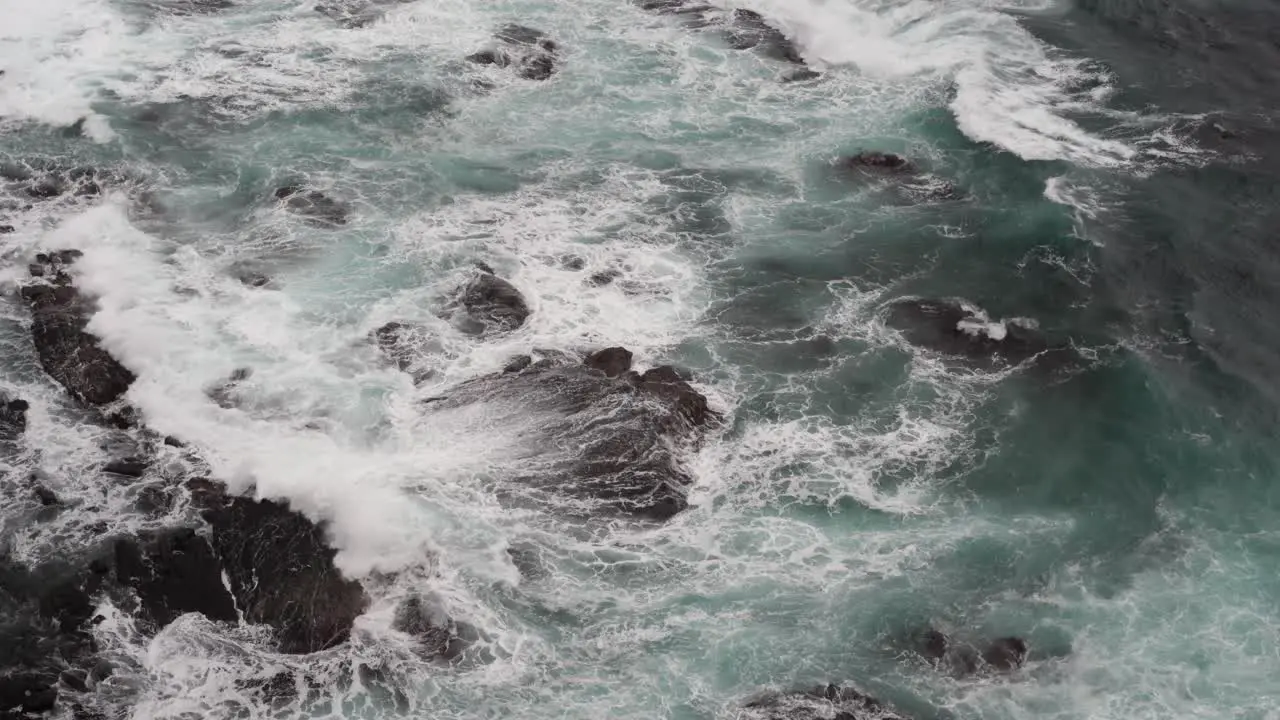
column 1112, row 176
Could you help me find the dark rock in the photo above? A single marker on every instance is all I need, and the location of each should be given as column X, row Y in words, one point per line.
column 253, row 279
column 27, row 692
column 68, row 353
column 821, row 703
column 953, row 328
column 317, row 208
column 173, row 573
column 879, row 162
column 626, row 432
column 494, row 303
column 804, row 75
column 172, row 441
column 6, row 229
column 489, row 57
column 281, row 570
column 126, row 467
column 933, row 645
column 602, row 278
column 225, row 393
column 529, row 50
column 517, row 363
column 46, row 496
column 573, row 262
column 666, row 382
column 749, row 29
column 77, row 680
column 13, row 418
column 1005, row 654
column 612, row 361
column 425, row 618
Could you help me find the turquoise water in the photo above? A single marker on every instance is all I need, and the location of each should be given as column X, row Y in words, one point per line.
column 1121, row 517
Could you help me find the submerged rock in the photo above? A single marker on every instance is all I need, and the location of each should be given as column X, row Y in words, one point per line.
column 317, row 208
column 437, row 634
column 492, row 304
column 530, row 51
column 406, row 345
column 626, row 429
column 881, row 162
column 41, row 181
column 67, row 352
column 821, row 703
column 963, row 659
column 954, row 328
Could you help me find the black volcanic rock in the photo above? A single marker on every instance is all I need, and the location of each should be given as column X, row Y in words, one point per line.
column 626, row 431
column 493, row 304
column 317, row 208
column 281, row 571
column 67, row 352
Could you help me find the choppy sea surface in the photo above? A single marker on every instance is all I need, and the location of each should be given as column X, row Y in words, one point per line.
column 1107, row 170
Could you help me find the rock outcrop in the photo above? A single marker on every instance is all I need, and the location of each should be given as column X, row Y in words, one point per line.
column 830, row 702
column 532, row 54
column 67, row 352
column 742, row 29
column 314, row 206
column 490, row 305
column 962, row 659
column 626, row 429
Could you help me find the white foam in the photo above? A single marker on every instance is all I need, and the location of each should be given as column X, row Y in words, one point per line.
column 1009, row 89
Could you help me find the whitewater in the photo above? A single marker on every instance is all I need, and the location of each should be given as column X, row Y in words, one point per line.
column 664, row 192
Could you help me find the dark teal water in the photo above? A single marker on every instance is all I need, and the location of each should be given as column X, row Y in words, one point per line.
column 1113, row 178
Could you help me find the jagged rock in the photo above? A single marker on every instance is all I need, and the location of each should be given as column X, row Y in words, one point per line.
column 317, row 208
column 437, row 634
column 27, row 693
column 493, row 304
column 612, row 361
column 46, row 496
column 173, row 573
column 281, row 570
column 957, row 329
column 830, row 702
column 67, row 352
column 527, row 49
column 44, row 181
column 626, row 431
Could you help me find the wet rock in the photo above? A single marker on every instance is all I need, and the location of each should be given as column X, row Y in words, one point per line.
column 67, row 352
column 821, row 703
column 438, row 635
column 602, row 278
column 225, row 393
column 6, row 229
column 517, row 363
column 572, row 262
column 45, row 496
column 626, row 432
column 957, row 329
column 801, row 76
column 530, row 51
column 405, row 345
column 281, row 570
column 13, row 418
column 493, row 303
column 880, row 162
column 1005, row 654
column 131, row 467
column 749, row 29
column 27, row 692
column 612, row 361
column 173, row 573
column 962, row 659
column 350, row 14
column 317, row 208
